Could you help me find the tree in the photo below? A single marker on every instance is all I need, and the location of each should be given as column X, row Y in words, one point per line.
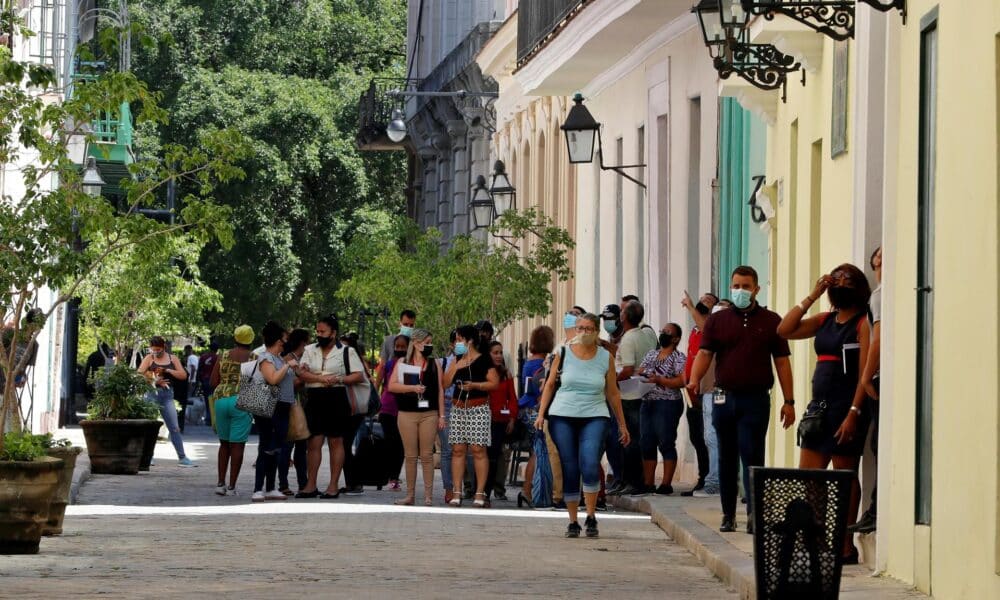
column 469, row 281
column 43, row 231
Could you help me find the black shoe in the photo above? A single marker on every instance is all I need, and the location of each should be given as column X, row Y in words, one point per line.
column 666, row 490
column 699, row 485
column 750, row 525
column 312, row 494
column 602, row 504
column 325, row 496
column 591, row 525
column 728, row 524
column 615, row 488
column 866, row 524
column 573, row 531
column 356, row 490
column 522, row 500
column 625, row 490
column 560, row 505
column 643, row 491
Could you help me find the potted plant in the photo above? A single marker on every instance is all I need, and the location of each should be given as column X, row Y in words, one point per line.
column 64, row 450
column 28, row 481
column 118, row 419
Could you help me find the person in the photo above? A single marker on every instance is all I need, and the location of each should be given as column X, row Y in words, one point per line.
column 474, row 378
column 497, row 481
column 164, row 370
column 352, row 339
column 578, row 418
column 743, row 341
column 294, row 452
column 541, row 343
column 612, row 316
column 389, row 415
column 636, row 342
column 97, row 361
column 279, row 372
column 420, row 398
column 870, row 379
column 569, row 332
column 352, row 487
column 206, row 364
column 661, row 409
column 841, row 339
column 699, row 412
column 407, row 321
column 503, row 414
column 328, row 410
column 231, row 424
column 443, row 434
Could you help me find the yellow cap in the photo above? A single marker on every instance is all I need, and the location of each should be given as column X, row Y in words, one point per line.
column 243, row 335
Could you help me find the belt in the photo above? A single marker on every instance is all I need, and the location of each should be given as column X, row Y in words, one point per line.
column 470, row 403
column 828, row 358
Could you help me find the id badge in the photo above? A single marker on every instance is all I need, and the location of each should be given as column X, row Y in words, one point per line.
column 423, row 403
column 504, row 411
column 719, row 397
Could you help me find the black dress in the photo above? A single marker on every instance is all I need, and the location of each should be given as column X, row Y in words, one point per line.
column 834, row 383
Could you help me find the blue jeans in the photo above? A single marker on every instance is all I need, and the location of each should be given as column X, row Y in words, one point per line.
column 712, row 442
column 445, row 447
column 741, row 426
column 272, row 438
column 580, row 441
column 632, row 454
column 164, row 398
column 293, row 452
column 658, row 421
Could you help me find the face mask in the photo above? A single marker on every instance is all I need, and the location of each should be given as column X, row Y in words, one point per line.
column 569, row 321
column 610, row 326
column 461, row 349
column 702, row 309
column 404, row 330
column 665, row 340
column 157, row 354
column 399, row 353
column 841, row 297
column 427, row 351
column 323, row 341
column 587, row 339
column 741, row 298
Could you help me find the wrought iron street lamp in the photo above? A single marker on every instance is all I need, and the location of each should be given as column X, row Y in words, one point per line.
column 581, row 128
column 396, row 130
column 887, row 5
column 397, row 126
column 503, row 193
column 92, row 181
column 481, row 205
column 834, row 18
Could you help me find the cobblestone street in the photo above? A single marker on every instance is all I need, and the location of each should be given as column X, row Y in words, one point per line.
column 165, row 534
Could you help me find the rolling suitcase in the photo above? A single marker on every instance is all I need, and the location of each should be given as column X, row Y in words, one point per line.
column 370, row 456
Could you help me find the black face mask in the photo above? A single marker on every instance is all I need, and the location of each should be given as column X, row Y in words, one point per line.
column 666, row 340
column 427, row 351
column 702, row 309
column 842, row 297
column 323, row 342
column 399, row 353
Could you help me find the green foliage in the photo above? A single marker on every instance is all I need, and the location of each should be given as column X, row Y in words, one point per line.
column 48, row 441
column 120, row 393
column 21, row 446
column 470, row 280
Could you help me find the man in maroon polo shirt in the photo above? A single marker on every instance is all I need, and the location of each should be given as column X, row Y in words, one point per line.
column 743, row 341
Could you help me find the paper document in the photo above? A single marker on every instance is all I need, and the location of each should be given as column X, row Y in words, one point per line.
column 635, row 386
column 402, row 370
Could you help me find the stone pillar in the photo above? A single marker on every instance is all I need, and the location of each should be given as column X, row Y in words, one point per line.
column 440, row 215
column 428, row 197
column 459, row 201
column 478, row 156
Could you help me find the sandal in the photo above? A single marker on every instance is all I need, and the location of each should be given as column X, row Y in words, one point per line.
column 404, row 502
column 456, row 498
column 480, row 501
column 428, row 501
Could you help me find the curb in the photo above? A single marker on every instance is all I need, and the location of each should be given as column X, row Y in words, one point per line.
column 80, row 474
column 732, row 566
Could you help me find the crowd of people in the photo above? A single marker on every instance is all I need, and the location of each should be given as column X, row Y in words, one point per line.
column 618, row 397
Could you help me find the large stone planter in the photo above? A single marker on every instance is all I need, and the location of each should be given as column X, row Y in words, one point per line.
column 149, row 444
column 26, row 490
column 57, row 509
column 115, row 446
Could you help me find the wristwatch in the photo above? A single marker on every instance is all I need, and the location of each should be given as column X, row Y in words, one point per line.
column 790, row 401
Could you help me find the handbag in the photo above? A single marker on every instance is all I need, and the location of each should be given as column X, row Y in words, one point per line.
column 362, row 396
column 558, row 376
column 298, row 429
column 811, row 429
column 255, row 396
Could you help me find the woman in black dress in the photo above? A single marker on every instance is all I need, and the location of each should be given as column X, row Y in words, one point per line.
column 842, row 338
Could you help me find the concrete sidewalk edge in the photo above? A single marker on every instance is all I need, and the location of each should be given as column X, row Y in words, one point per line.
column 80, row 474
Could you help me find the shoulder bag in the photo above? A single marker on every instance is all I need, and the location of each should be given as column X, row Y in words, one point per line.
column 255, row 395
column 362, row 396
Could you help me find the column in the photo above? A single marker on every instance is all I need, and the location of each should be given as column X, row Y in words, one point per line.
column 458, row 206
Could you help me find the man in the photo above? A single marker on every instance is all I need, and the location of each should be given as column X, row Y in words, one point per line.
column 96, row 362
column 870, row 379
column 206, row 363
column 698, row 412
column 743, row 341
column 407, row 321
column 635, row 343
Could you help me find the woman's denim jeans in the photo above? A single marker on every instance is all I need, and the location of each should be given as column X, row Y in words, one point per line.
column 164, row 398
column 712, row 441
column 580, row 441
column 658, row 425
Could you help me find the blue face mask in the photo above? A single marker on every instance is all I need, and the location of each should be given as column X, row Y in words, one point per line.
column 461, row 349
column 407, row 331
column 569, row 321
column 610, row 326
column 741, row 298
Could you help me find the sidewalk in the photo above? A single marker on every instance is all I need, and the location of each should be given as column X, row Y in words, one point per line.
column 694, row 524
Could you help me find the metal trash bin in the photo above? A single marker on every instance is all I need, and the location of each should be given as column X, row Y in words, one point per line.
column 799, row 522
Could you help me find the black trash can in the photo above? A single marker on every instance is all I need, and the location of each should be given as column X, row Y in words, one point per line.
column 799, row 521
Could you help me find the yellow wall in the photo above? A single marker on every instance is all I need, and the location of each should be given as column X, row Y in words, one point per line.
column 957, row 556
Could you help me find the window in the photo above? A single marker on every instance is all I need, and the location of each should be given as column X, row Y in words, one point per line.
column 838, row 133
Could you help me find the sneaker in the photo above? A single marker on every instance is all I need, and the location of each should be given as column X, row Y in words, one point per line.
column 602, row 504
column 356, row 490
column 615, row 487
column 643, row 491
column 232, row 492
column 560, row 505
column 275, row 495
column 706, row 493
column 186, row 462
column 573, row 531
column 665, row 489
column 626, row 490
column 257, row 497
column 591, row 525
column 220, row 490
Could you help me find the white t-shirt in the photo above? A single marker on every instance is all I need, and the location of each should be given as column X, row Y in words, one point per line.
column 192, row 367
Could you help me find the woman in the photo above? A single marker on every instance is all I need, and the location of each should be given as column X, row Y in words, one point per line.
column 272, row 430
column 842, row 340
column 162, row 369
column 231, row 424
column 661, row 409
column 503, row 413
column 389, row 414
column 328, row 410
column 416, row 382
column 579, row 418
column 294, row 347
column 474, row 378
column 540, row 345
